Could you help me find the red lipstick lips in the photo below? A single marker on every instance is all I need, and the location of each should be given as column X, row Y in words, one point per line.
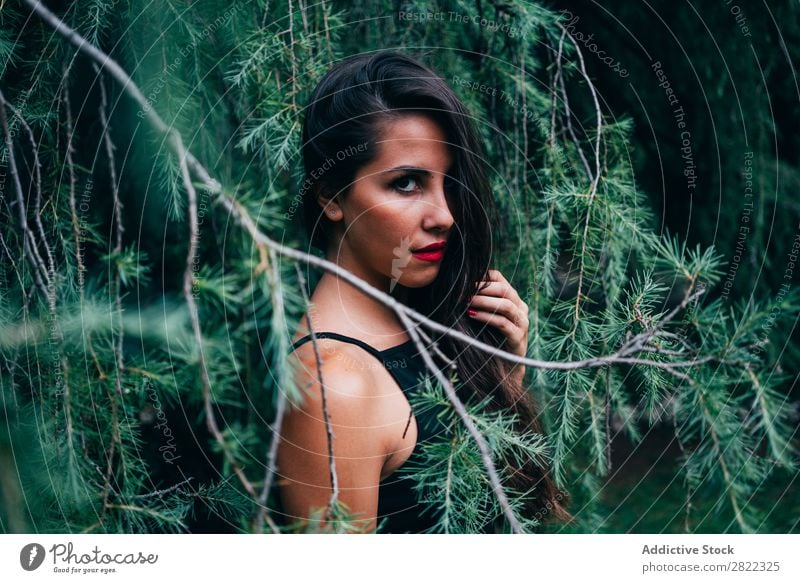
column 433, row 252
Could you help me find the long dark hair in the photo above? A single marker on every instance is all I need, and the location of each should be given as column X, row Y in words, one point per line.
column 341, row 126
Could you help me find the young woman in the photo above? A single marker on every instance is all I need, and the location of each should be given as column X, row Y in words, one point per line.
column 395, row 192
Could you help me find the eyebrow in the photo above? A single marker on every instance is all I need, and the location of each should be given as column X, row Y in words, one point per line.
column 415, row 169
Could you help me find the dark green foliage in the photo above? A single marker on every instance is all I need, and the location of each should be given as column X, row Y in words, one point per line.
column 106, row 422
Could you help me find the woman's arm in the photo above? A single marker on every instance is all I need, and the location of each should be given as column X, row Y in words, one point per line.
column 359, row 444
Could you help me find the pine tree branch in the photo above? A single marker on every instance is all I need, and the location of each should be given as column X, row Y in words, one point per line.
column 483, row 447
column 28, row 240
column 724, row 466
column 596, row 178
column 689, row 488
column 37, row 205
column 164, row 518
column 117, row 345
column 263, row 242
column 38, row 268
column 780, row 447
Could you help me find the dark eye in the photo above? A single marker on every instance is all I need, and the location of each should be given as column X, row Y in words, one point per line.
column 405, row 184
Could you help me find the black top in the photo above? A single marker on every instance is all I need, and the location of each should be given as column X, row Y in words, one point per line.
column 399, row 510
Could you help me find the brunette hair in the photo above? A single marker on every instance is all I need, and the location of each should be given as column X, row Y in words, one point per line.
column 342, row 123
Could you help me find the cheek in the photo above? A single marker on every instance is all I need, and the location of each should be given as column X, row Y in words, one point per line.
column 388, row 221
column 394, row 227
column 383, row 223
column 395, row 214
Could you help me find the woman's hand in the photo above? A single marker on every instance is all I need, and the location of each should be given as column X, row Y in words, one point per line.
column 499, row 304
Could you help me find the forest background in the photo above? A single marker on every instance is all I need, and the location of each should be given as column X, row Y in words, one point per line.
column 645, row 159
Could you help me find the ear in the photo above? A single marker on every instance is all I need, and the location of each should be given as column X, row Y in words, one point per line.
column 330, row 205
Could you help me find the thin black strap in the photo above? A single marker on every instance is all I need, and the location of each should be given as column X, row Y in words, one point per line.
column 343, row 338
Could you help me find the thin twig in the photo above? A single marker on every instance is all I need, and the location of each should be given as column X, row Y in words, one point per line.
column 117, row 345
column 76, row 229
column 451, row 364
column 292, row 56
column 28, row 241
column 269, row 264
column 556, row 76
column 37, row 205
column 596, row 180
column 188, row 280
column 327, row 29
column 568, row 116
column 117, row 221
column 165, row 491
column 325, row 413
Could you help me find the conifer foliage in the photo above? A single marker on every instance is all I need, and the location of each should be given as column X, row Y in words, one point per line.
column 153, row 273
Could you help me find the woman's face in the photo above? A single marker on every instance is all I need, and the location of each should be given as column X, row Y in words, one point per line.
column 396, row 206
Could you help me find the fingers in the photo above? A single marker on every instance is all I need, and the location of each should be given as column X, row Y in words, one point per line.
column 496, row 305
column 499, row 286
column 500, row 290
column 514, row 329
column 504, row 324
column 502, row 310
column 495, row 275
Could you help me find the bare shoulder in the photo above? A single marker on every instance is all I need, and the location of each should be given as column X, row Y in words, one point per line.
column 360, row 441
column 347, row 371
column 351, row 398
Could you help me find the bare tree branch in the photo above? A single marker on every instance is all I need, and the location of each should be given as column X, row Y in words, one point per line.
column 270, row 266
column 326, row 415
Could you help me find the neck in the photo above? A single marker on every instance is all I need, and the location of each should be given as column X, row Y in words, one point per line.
column 356, row 303
column 352, row 307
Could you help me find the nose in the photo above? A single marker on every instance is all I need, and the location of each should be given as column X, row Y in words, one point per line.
column 437, row 210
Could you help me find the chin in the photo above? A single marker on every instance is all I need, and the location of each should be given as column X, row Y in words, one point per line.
column 418, row 281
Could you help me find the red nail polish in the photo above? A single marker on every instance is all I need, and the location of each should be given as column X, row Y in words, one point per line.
column 471, row 312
